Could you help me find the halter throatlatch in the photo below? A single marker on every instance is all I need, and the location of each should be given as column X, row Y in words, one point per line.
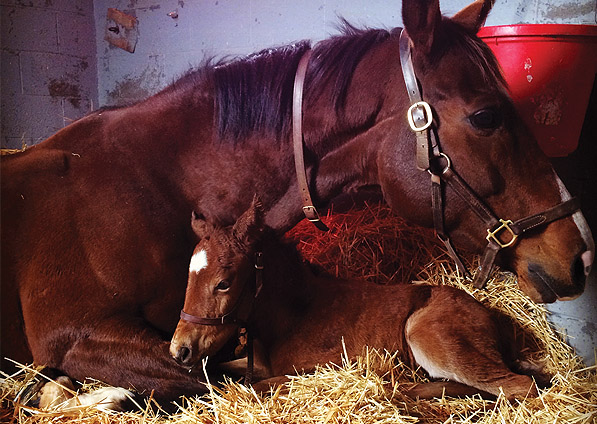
column 231, row 317
column 297, row 141
column 501, row 233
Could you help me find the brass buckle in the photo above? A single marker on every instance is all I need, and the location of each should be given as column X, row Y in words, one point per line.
column 491, row 235
column 428, row 114
column 311, row 213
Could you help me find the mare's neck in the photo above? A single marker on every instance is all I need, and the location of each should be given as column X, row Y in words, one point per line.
column 343, row 147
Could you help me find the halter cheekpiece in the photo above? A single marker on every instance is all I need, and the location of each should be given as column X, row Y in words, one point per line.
column 231, row 317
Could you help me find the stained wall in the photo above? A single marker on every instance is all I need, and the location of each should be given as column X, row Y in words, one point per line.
column 48, row 67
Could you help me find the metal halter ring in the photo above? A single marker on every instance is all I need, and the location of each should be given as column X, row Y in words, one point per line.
column 445, row 169
column 428, row 115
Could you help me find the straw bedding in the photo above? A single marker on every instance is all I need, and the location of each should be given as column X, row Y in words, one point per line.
column 373, row 244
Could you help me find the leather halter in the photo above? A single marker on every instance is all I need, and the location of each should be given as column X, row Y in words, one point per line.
column 297, row 141
column 430, row 158
column 231, row 317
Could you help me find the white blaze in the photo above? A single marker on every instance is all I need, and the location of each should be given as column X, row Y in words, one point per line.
column 198, row 261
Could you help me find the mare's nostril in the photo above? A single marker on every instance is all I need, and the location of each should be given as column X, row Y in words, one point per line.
column 579, row 271
column 587, row 259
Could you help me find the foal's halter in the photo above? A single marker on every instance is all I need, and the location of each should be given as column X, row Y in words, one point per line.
column 231, row 317
column 428, row 158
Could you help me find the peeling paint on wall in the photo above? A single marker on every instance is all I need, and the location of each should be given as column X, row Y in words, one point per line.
column 49, row 77
column 566, row 11
column 132, row 88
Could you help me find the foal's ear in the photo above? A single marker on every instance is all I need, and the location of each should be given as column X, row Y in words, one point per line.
column 473, row 16
column 200, row 226
column 421, row 18
column 249, row 226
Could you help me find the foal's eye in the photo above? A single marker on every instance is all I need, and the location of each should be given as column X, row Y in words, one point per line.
column 223, row 285
column 486, row 119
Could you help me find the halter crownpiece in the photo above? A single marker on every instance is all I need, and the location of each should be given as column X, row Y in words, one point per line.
column 501, row 233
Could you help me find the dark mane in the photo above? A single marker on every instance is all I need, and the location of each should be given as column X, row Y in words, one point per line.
column 255, row 93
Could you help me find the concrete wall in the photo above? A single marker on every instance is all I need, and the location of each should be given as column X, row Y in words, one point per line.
column 48, row 65
column 55, row 68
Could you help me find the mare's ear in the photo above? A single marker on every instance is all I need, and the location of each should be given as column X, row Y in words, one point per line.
column 421, row 18
column 473, row 16
column 249, row 226
column 200, row 226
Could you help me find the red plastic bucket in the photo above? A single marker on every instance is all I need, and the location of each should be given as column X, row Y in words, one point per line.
column 550, row 70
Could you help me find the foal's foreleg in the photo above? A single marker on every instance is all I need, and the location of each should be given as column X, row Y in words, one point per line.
column 123, row 355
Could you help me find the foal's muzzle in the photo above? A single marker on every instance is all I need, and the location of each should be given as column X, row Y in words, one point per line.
column 183, row 355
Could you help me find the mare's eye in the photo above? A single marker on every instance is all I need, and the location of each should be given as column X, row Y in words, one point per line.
column 223, row 285
column 486, row 119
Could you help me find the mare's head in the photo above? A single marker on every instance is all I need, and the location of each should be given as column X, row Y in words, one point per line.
column 218, row 297
column 489, row 147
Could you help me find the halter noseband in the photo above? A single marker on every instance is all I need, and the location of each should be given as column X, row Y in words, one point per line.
column 420, row 119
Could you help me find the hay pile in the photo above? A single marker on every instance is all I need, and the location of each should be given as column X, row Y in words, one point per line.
column 371, row 243
column 374, row 244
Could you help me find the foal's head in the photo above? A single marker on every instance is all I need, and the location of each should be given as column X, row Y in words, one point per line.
column 218, row 297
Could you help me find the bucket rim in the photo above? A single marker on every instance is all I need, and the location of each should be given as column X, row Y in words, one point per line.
column 538, row 30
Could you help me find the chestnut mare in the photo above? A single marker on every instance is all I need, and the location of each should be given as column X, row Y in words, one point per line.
column 299, row 319
column 95, row 237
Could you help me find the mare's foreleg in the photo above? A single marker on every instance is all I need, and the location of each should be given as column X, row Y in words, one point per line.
column 124, row 355
column 60, row 395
